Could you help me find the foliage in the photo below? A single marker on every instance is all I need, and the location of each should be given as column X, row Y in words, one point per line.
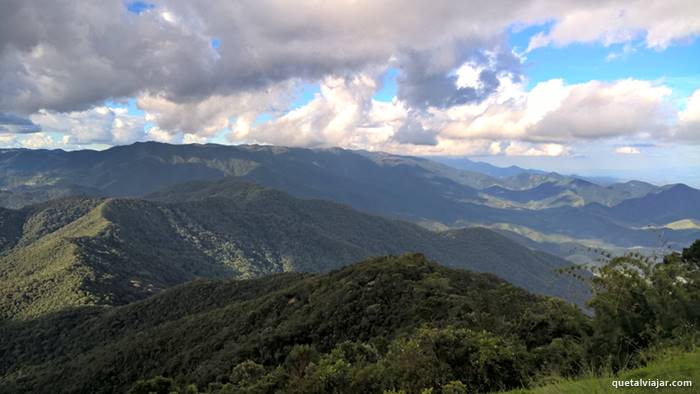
column 672, row 366
column 639, row 303
column 365, row 327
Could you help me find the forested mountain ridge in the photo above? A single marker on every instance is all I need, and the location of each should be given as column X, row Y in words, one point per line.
column 114, row 251
column 200, row 331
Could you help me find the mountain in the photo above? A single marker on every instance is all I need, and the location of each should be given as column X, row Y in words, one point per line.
column 564, row 192
column 463, row 163
column 408, row 188
column 22, row 195
column 671, row 204
column 114, row 251
column 541, row 192
column 201, row 331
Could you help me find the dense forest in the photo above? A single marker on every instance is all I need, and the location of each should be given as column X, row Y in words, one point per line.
column 392, row 324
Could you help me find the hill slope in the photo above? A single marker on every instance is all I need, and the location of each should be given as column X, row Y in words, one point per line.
column 680, row 368
column 198, row 332
column 118, row 250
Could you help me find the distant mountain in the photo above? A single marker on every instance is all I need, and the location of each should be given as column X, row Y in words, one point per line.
column 537, row 193
column 199, row 332
column 114, row 251
column 561, row 192
column 414, row 189
column 22, row 195
column 672, row 203
column 379, row 183
column 463, row 163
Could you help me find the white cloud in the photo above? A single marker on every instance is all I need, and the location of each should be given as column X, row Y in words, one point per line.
column 627, row 150
column 207, row 117
column 554, row 112
column 40, row 141
column 601, row 110
column 516, row 148
column 459, row 89
column 193, row 139
column 94, row 52
column 691, row 113
column 7, row 140
column 658, row 23
column 101, row 125
column 688, row 128
column 338, row 116
column 160, row 135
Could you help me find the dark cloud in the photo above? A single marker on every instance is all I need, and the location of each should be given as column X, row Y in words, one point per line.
column 10, row 123
column 413, row 132
column 66, row 55
column 428, row 77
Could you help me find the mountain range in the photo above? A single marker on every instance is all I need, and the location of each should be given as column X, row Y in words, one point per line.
column 112, row 251
column 543, row 207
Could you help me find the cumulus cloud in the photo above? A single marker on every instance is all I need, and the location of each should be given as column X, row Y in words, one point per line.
column 459, row 86
column 7, row 140
column 205, row 118
column 688, row 128
column 627, row 150
column 428, row 78
column 516, row 148
column 412, row 131
column 65, row 56
column 99, row 125
column 10, row 123
column 658, row 23
column 601, row 109
column 42, row 141
column 335, row 117
column 554, row 112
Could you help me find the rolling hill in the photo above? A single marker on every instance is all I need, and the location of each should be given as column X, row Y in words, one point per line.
column 114, row 251
column 200, row 331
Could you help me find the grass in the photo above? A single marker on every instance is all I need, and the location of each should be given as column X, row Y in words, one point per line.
column 671, row 366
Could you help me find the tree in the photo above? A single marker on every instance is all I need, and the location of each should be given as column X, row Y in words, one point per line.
column 246, row 373
column 156, row 385
column 691, row 254
column 639, row 302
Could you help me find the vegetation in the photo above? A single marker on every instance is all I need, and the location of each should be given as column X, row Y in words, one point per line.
column 674, row 365
column 639, row 304
column 392, row 324
column 641, row 310
column 363, row 327
column 101, row 251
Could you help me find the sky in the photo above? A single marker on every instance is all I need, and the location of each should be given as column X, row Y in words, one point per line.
column 604, row 88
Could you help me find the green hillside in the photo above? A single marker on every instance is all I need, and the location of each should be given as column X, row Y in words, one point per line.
column 115, row 251
column 678, row 367
column 200, row 332
column 40, row 265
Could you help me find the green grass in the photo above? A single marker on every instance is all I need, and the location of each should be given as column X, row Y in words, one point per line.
column 672, row 366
